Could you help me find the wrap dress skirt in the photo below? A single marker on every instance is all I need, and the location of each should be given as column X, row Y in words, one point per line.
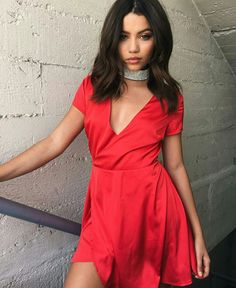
column 134, row 226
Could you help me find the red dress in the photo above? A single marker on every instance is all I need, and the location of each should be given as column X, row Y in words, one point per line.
column 134, row 225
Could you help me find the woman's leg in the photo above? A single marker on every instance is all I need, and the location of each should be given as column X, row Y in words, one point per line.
column 82, row 275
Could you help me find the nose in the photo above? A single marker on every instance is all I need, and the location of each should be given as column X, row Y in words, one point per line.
column 133, row 45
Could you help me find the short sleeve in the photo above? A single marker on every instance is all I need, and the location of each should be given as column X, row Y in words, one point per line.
column 175, row 123
column 79, row 98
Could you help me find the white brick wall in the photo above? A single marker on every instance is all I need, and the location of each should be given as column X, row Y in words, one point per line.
column 46, row 48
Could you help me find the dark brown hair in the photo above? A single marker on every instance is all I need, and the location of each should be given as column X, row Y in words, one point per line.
column 105, row 76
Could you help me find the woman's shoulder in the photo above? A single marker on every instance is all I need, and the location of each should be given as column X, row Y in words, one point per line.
column 87, row 81
column 87, row 87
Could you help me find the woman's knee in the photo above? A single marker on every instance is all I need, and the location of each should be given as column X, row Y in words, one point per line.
column 82, row 275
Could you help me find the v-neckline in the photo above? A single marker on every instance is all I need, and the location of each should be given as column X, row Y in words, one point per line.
column 131, row 121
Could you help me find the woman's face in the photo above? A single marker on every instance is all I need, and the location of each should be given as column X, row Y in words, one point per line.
column 136, row 40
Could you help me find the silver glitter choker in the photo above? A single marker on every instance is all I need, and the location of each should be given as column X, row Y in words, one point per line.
column 136, row 75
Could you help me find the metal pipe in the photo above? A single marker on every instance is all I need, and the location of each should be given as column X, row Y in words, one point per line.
column 24, row 212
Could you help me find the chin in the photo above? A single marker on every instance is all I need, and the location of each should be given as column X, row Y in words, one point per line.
column 134, row 67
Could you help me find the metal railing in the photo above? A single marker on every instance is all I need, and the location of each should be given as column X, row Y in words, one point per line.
column 24, row 212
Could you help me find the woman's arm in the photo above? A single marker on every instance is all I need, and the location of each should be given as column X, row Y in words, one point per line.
column 174, row 164
column 47, row 149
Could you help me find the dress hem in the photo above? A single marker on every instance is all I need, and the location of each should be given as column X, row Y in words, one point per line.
column 104, row 282
column 178, row 284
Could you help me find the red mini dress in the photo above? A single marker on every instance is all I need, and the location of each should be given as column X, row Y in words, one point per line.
column 134, row 225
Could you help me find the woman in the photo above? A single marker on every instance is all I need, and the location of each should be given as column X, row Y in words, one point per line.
column 140, row 227
column 152, row 243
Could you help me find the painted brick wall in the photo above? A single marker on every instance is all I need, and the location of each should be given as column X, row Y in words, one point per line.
column 46, row 48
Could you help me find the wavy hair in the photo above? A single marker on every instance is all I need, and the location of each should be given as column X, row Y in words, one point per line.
column 105, row 74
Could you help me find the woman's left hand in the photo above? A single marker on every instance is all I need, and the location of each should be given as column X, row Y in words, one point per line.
column 203, row 259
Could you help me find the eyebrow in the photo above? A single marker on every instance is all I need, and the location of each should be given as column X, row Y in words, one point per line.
column 147, row 29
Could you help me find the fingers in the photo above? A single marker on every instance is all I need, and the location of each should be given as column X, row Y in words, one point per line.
column 199, row 266
column 203, row 266
column 206, row 263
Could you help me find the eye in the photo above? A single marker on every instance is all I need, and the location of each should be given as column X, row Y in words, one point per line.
column 122, row 36
column 146, row 36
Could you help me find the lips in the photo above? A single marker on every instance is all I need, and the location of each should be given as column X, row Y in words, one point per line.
column 134, row 58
